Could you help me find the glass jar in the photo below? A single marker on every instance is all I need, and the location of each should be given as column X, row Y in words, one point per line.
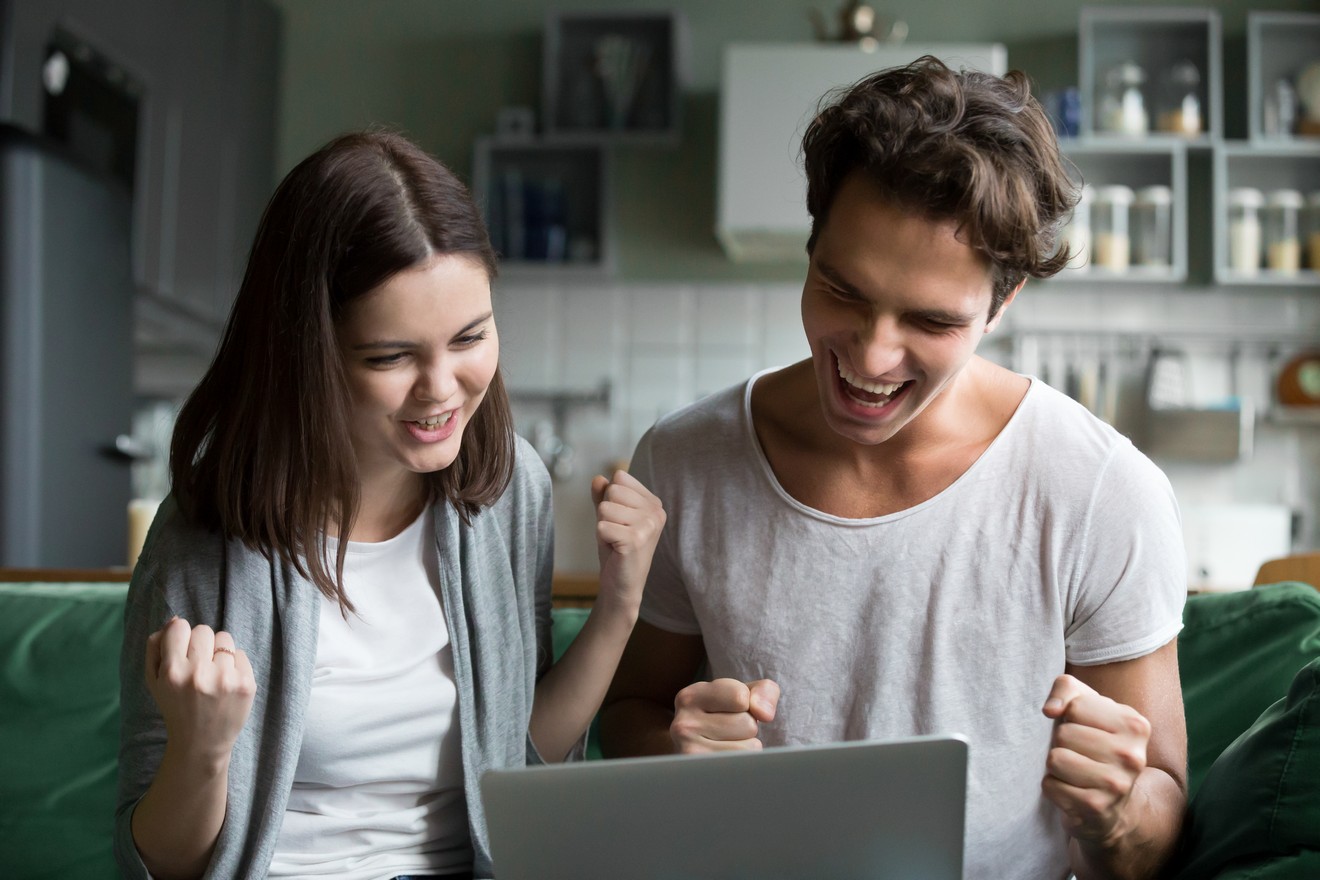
column 1152, row 220
column 1111, row 241
column 1181, row 112
column 1283, row 243
column 1244, row 239
column 1313, row 231
column 1123, row 104
column 1076, row 235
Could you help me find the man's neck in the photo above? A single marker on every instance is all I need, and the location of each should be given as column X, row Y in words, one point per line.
column 831, row 473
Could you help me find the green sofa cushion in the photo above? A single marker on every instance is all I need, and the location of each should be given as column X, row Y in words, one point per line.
column 1257, row 813
column 1237, row 654
column 59, row 728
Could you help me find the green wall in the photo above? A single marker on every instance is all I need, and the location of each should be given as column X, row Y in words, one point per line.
column 440, row 69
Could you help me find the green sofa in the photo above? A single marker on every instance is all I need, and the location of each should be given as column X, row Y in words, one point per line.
column 1251, row 681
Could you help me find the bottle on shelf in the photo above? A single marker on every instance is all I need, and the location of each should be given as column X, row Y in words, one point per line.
column 1181, row 113
column 1152, row 216
column 1279, row 110
column 1112, row 242
column 1244, row 235
column 1076, row 235
column 1313, row 231
column 1123, row 106
column 1283, row 246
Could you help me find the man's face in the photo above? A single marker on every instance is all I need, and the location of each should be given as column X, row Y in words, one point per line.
column 894, row 306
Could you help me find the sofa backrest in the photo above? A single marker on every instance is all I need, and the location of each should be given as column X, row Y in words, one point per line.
column 1237, row 654
column 59, row 727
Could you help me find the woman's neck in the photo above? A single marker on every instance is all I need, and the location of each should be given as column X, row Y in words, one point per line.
column 385, row 510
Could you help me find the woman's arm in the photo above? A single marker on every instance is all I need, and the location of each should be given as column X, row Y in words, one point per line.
column 204, row 687
column 628, row 523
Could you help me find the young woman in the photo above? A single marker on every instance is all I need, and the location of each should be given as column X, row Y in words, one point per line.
column 341, row 617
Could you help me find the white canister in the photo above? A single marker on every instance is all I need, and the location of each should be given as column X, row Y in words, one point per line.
column 1111, row 239
column 1076, row 234
column 1244, row 234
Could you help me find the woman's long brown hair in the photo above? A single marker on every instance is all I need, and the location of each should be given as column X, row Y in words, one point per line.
column 262, row 449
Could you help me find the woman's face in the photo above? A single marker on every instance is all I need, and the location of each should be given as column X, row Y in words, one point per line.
column 420, row 351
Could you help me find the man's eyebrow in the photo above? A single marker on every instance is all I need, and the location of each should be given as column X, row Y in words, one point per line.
column 942, row 316
column 835, row 277
column 404, row 343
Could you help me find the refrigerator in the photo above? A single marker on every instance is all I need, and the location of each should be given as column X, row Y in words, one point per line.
column 66, row 358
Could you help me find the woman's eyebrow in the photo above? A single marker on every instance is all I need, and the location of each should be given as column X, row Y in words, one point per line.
column 404, row 343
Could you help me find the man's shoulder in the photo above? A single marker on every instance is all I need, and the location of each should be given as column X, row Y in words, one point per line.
column 720, row 414
column 1053, row 420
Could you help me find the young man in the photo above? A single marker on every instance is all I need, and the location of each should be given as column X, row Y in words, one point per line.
column 897, row 537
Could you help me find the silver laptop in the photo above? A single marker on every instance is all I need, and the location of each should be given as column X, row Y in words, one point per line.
column 864, row 810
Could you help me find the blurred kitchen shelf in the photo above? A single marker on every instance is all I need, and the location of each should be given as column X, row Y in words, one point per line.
column 614, row 77
column 1293, row 416
column 546, row 206
column 1137, row 163
column 1154, row 39
column 1279, row 44
column 1266, row 166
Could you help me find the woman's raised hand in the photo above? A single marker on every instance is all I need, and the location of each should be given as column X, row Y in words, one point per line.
column 203, row 685
column 628, row 523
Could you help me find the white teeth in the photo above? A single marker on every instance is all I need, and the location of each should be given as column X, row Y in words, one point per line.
column 435, row 421
column 873, row 387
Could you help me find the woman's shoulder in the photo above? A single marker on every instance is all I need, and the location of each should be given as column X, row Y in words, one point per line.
column 175, row 541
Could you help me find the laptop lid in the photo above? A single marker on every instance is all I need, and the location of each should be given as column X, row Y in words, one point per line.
column 864, row 810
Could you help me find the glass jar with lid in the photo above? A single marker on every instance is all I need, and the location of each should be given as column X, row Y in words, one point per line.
column 1313, row 231
column 1281, row 231
column 1076, row 234
column 1244, row 238
column 1181, row 109
column 1111, row 240
column 1123, row 104
column 1152, row 220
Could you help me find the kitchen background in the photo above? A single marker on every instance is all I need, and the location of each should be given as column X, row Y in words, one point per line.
column 631, row 306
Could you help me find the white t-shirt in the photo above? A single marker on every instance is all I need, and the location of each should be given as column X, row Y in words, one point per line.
column 1061, row 544
column 379, row 786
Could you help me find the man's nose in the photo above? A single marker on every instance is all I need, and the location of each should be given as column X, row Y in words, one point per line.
column 880, row 347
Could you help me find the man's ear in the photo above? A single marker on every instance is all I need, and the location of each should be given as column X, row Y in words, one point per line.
column 994, row 322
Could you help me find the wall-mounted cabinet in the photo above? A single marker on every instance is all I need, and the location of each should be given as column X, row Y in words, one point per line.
column 1133, row 66
column 768, row 95
column 1261, row 217
column 1151, row 73
column 1283, row 58
column 613, row 77
column 545, row 204
column 1132, row 227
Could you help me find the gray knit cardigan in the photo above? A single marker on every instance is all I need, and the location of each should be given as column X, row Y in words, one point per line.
column 495, row 582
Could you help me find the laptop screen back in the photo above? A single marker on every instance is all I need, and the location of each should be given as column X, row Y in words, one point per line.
column 864, row 810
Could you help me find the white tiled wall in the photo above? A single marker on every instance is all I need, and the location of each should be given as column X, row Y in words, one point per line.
column 660, row 346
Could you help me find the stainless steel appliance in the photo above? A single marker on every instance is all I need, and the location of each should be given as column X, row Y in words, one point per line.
column 66, row 357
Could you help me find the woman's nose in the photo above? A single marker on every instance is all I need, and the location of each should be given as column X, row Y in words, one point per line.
column 436, row 382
